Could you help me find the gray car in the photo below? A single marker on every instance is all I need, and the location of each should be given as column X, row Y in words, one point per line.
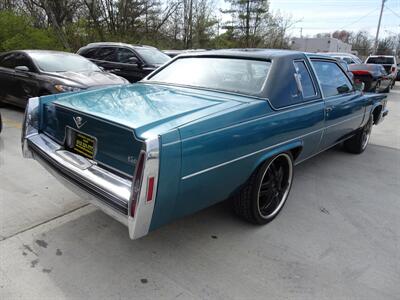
column 30, row 73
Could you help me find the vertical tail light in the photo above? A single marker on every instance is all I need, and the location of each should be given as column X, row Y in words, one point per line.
column 392, row 69
column 137, row 182
column 150, row 189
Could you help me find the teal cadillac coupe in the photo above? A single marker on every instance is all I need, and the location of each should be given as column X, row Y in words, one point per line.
column 225, row 124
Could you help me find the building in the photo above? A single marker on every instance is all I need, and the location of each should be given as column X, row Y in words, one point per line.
column 323, row 44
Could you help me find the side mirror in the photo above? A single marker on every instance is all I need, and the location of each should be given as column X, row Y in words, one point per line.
column 21, row 69
column 359, row 85
column 133, row 61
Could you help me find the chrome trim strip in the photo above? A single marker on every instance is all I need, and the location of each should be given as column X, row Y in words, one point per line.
column 248, row 155
column 139, row 224
column 267, row 148
column 311, row 103
column 320, row 151
column 344, row 121
column 28, row 126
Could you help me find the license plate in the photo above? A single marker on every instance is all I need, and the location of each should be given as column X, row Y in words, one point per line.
column 81, row 143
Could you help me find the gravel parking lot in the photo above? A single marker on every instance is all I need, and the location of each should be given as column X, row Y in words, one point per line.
column 338, row 236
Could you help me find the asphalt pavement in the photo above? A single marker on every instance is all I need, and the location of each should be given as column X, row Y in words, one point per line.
column 338, row 236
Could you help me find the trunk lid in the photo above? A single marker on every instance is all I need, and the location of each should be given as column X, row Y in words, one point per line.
column 118, row 119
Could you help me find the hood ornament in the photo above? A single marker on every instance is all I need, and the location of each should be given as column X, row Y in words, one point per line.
column 79, row 122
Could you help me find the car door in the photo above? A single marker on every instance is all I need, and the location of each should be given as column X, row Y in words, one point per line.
column 105, row 57
column 128, row 65
column 7, row 79
column 344, row 111
column 26, row 81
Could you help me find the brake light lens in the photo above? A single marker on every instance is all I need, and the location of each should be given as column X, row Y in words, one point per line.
column 137, row 182
column 392, row 69
column 150, row 189
column 361, row 72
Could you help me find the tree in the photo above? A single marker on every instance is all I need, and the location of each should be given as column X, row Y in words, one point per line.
column 249, row 18
column 342, row 35
column 361, row 42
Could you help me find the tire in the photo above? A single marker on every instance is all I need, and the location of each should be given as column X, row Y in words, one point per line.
column 273, row 179
column 393, row 83
column 359, row 142
column 377, row 87
column 387, row 90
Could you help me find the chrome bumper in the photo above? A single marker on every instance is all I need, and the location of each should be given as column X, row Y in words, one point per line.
column 106, row 190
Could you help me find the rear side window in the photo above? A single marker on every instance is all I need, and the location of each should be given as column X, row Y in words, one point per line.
column 106, row 54
column 89, row 53
column 332, row 78
column 305, row 79
column 381, row 60
column 9, row 61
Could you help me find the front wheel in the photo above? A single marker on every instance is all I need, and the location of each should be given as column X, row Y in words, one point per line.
column 359, row 142
column 265, row 193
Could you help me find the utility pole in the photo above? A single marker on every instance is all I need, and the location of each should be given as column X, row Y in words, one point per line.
column 301, row 32
column 379, row 27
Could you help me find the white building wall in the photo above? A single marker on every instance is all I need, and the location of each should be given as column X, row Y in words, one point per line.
column 320, row 45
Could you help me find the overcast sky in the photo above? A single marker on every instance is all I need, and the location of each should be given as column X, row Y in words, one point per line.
column 317, row 16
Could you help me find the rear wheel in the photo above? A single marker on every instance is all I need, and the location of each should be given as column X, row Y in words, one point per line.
column 377, row 87
column 359, row 142
column 265, row 193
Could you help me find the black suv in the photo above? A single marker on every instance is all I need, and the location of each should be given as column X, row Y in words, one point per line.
column 132, row 62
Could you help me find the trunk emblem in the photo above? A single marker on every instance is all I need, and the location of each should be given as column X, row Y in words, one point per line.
column 79, row 122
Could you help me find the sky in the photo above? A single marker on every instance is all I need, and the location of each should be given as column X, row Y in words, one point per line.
column 317, row 16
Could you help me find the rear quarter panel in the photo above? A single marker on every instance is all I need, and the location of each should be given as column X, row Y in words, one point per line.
column 220, row 153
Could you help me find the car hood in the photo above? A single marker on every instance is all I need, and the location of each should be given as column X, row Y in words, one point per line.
column 149, row 109
column 87, row 79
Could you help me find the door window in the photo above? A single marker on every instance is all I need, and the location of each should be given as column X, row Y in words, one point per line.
column 332, row 78
column 124, row 55
column 9, row 61
column 106, row 54
column 22, row 60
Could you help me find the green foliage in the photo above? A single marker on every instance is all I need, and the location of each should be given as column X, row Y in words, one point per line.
column 17, row 32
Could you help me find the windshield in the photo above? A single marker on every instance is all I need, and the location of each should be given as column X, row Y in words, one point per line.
column 235, row 75
column 380, row 60
column 153, row 56
column 63, row 62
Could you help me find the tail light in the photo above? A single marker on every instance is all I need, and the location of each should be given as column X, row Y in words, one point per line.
column 392, row 69
column 137, row 182
column 361, row 72
column 150, row 189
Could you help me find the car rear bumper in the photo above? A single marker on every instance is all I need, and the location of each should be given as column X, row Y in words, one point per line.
column 106, row 190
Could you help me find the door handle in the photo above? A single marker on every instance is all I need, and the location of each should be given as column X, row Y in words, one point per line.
column 328, row 109
column 115, row 70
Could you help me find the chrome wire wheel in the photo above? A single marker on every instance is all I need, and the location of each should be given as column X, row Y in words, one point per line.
column 275, row 186
column 366, row 134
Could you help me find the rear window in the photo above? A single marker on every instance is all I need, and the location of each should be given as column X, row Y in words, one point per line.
column 382, row 60
column 244, row 76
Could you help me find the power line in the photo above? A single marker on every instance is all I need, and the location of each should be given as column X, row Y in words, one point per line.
column 362, row 17
column 395, row 13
